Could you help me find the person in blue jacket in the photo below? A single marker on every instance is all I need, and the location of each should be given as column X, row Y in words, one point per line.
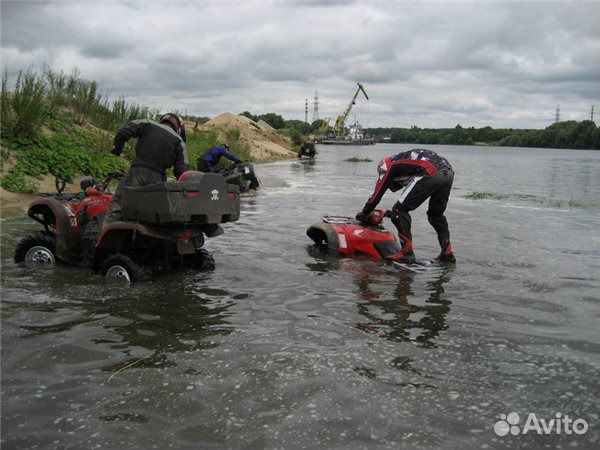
column 210, row 159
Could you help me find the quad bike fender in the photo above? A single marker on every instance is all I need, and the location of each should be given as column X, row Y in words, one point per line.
column 325, row 236
column 51, row 212
column 58, row 219
column 353, row 238
column 114, row 237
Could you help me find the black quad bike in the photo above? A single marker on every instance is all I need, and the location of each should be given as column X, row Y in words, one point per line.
column 163, row 227
column 240, row 174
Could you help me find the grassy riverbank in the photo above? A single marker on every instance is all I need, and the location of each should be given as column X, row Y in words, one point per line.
column 60, row 125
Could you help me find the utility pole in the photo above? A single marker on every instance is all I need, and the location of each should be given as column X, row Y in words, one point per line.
column 316, row 107
column 592, row 114
column 305, row 110
column 557, row 114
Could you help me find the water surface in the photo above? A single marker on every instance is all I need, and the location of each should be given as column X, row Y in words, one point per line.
column 284, row 347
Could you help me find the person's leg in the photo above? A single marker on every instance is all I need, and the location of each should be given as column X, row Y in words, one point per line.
column 203, row 165
column 435, row 214
column 114, row 211
column 137, row 176
column 413, row 195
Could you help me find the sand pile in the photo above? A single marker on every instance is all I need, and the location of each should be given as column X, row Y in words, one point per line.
column 264, row 142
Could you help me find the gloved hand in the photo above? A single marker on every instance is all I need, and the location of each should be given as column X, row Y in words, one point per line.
column 360, row 216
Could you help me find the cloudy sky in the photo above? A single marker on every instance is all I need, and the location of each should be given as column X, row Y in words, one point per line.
column 430, row 64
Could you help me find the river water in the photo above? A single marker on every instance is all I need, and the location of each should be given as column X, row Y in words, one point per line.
column 282, row 347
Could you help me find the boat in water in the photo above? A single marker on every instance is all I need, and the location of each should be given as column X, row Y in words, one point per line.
column 354, row 136
column 340, row 135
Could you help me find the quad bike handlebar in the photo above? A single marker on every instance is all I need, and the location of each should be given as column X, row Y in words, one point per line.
column 373, row 219
column 110, row 176
column 60, row 184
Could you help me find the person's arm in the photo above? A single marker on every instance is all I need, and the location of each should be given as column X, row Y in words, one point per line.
column 181, row 160
column 126, row 132
column 383, row 184
column 230, row 156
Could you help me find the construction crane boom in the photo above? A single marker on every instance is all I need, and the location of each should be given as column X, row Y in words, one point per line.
column 341, row 119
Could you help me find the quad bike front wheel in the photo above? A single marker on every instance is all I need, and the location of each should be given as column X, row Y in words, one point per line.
column 123, row 268
column 202, row 261
column 38, row 249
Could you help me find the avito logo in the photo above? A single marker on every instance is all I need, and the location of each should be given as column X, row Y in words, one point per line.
column 509, row 423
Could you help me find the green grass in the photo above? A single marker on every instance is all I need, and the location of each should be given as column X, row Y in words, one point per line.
column 485, row 196
column 65, row 152
column 528, row 198
column 354, row 159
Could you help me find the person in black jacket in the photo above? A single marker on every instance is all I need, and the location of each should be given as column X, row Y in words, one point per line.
column 307, row 148
column 423, row 174
column 160, row 145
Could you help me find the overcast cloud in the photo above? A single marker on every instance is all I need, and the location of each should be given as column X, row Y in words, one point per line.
column 425, row 64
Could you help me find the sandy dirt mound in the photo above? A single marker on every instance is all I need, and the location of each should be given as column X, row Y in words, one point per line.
column 264, row 141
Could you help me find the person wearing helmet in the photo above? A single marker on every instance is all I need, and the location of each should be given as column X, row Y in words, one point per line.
column 422, row 174
column 210, row 158
column 89, row 182
column 307, row 148
column 160, row 146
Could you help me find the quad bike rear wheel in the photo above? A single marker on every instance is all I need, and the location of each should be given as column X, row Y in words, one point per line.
column 123, row 268
column 38, row 249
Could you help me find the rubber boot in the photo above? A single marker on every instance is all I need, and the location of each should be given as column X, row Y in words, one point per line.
column 446, row 255
column 405, row 256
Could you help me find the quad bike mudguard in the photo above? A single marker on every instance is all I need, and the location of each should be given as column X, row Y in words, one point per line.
column 57, row 218
column 113, row 236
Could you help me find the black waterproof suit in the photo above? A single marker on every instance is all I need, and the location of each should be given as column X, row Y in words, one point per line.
column 423, row 174
column 158, row 148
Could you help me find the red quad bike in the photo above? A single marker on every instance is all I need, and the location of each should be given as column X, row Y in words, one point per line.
column 347, row 236
column 163, row 227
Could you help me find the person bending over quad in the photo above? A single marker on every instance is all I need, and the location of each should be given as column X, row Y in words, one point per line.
column 160, row 145
column 307, row 148
column 423, row 174
column 210, row 159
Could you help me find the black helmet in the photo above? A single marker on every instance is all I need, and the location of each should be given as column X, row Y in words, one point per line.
column 87, row 182
column 175, row 122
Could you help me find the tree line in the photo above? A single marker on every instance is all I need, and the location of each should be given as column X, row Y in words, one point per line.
column 568, row 134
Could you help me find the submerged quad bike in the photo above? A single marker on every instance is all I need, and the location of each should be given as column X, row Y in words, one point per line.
column 163, row 226
column 347, row 236
column 240, row 174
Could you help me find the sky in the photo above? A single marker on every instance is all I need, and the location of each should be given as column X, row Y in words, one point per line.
column 426, row 64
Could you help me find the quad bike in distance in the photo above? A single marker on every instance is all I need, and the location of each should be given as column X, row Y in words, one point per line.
column 241, row 174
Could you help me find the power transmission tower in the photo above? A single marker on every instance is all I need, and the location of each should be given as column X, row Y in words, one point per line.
column 305, row 110
column 316, row 107
column 557, row 114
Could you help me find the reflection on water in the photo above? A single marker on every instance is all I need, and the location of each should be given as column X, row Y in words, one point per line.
column 405, row 316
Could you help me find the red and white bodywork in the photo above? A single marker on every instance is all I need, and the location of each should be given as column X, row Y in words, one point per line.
column 346, row 236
